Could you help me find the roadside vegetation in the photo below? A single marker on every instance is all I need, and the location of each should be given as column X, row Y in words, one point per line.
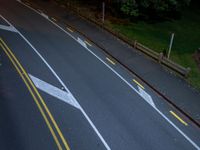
column 154, row 30
column 157, row 36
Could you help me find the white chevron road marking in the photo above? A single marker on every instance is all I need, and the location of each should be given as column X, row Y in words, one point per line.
column 146, row 97
column 54, row 91
column 7, row 28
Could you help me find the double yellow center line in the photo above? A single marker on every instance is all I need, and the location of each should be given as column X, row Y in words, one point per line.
column 46, row 114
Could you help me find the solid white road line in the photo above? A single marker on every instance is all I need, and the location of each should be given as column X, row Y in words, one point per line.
column 44, row 15
column 106, row 145
column 62, row 83
column 179, row 130
column 53, row 91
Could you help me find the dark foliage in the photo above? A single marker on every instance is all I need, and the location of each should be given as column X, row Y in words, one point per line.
column 154, row 10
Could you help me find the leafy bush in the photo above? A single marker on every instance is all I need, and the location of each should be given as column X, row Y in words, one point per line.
column 153, row 9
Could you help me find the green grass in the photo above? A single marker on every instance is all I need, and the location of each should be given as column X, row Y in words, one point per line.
column 157, row 36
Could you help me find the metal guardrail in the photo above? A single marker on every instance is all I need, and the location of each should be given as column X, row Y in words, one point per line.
column 163, row 60
column 144, row 49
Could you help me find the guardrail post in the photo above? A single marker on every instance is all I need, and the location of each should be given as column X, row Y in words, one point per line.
column 103, row 12
column 170, row 45
column 188, row 69
column 160, row 57
column 135, row 44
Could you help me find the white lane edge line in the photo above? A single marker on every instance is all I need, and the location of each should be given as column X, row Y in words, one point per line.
column 44, row 15
column 61, row 82
column 179, row 130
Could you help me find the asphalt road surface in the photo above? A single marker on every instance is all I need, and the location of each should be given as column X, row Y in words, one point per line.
column 57, row 91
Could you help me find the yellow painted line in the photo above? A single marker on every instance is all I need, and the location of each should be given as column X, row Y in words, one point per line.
column 40, row 98
column 53, row 19
column 88, row 43
column 177, row 117
column 27, row 3
column 111, row 61
column 40, row 11
column 138, row 83
column 70, row 29
column 35, row 99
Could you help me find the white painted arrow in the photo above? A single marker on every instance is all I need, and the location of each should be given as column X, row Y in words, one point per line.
column 54, row 91
column 7, row 28
column 81, row 42
column 146, row 96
